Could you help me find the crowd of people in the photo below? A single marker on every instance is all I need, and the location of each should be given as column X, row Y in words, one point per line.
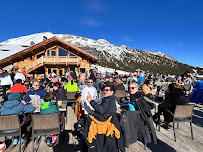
column 96, row 91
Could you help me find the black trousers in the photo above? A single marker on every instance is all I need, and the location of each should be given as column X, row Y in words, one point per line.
column 5, row 88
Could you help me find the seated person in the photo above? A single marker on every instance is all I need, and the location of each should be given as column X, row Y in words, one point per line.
column 18, row 87
column 81, row 82
column 59, row 92
column 139, row 103
column 107, row 105
column 14, row 105
column 49, row 105
column 71, row 86
column 174, row 97
column 147, row 89
column 93, row 92
column 35, row 90
column 119, row 85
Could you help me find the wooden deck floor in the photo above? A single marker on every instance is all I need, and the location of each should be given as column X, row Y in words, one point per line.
column 165, row 139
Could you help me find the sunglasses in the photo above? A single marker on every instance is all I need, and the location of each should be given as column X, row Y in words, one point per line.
column 107, row 90
column 36, row 85
column 132, row 88
column 90, row 82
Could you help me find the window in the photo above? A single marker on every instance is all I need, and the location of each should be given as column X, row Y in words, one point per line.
column 49, row 70
column 39, row 55
column 47, row 52
column 62, row 52
column 53, row 53
column 73, row 55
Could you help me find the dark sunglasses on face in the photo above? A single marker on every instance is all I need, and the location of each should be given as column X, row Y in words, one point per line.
column 107, row 90
column 90, row 82
column 36, row 85
column 132, row 88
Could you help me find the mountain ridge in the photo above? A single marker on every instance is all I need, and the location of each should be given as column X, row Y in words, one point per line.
column 112, row 56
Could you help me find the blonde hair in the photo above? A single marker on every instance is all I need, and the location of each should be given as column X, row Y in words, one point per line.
column 133, row 83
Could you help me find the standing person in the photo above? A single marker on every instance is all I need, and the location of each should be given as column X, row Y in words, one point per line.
column 85, row 92
column 77, row 73
column 35, row 90
column 119, row 85
column 20, row 75
column 108, row 104
column 71, row 86
column 5, row 82
column 11, row 74
column 141, row 78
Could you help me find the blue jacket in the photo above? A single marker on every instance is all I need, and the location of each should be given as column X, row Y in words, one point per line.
column 41, row 92
column 14, row 106
column 140, row 79
column 197, row 93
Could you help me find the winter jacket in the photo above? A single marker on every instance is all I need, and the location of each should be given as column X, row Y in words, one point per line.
column 108, row 105
column 173, row 98
column 142, row 106
column 134, row 128
column 120, row 86
column 60, row 94
column 14, row 106
column 40, row 92
column 19, row 88
column 5, row 79
column 103, row 133
column 197, row 93
column 19, row 75
column 72, row 87
column 49, row 107
column 140, row 79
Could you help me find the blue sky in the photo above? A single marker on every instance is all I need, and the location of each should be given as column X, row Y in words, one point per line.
column 174, row 27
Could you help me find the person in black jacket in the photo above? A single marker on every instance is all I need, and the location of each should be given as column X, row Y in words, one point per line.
column 108, row 104
column 174, row 97
column 59, row 92
column 119, row 85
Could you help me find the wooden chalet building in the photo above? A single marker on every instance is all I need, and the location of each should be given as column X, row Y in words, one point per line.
column 51, row 55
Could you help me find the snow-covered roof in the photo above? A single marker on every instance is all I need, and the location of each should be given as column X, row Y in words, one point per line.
column 7, row 50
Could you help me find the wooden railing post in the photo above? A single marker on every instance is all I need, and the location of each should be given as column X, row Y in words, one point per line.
column 54, row 60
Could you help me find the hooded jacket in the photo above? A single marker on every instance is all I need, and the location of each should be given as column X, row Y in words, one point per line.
column 103, row 133
column 72, row 87
column 41, row 92
column 19, row 75
column 49, row 107
column 14, row 106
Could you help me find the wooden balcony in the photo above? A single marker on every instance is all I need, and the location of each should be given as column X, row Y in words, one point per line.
column 51, row 60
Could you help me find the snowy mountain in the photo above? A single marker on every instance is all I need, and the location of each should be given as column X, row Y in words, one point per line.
column 119, row 57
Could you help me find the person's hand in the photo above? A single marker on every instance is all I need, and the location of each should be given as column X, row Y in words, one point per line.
column 23, row 101
column 89, row 98
column 31, row 101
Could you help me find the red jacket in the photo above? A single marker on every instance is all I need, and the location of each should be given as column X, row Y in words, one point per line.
column 18, row 88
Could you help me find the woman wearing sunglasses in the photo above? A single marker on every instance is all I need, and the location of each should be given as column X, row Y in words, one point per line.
column 108, row 104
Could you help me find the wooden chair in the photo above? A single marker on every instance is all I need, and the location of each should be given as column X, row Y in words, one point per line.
column 10, row 123
column 183, row 111
column 120, row 94
column 45, row 124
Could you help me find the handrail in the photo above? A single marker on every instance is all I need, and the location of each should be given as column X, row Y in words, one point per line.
column 54, row 60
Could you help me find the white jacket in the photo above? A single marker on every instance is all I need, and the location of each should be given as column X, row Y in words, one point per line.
column 19, row 76
column 6, row 80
